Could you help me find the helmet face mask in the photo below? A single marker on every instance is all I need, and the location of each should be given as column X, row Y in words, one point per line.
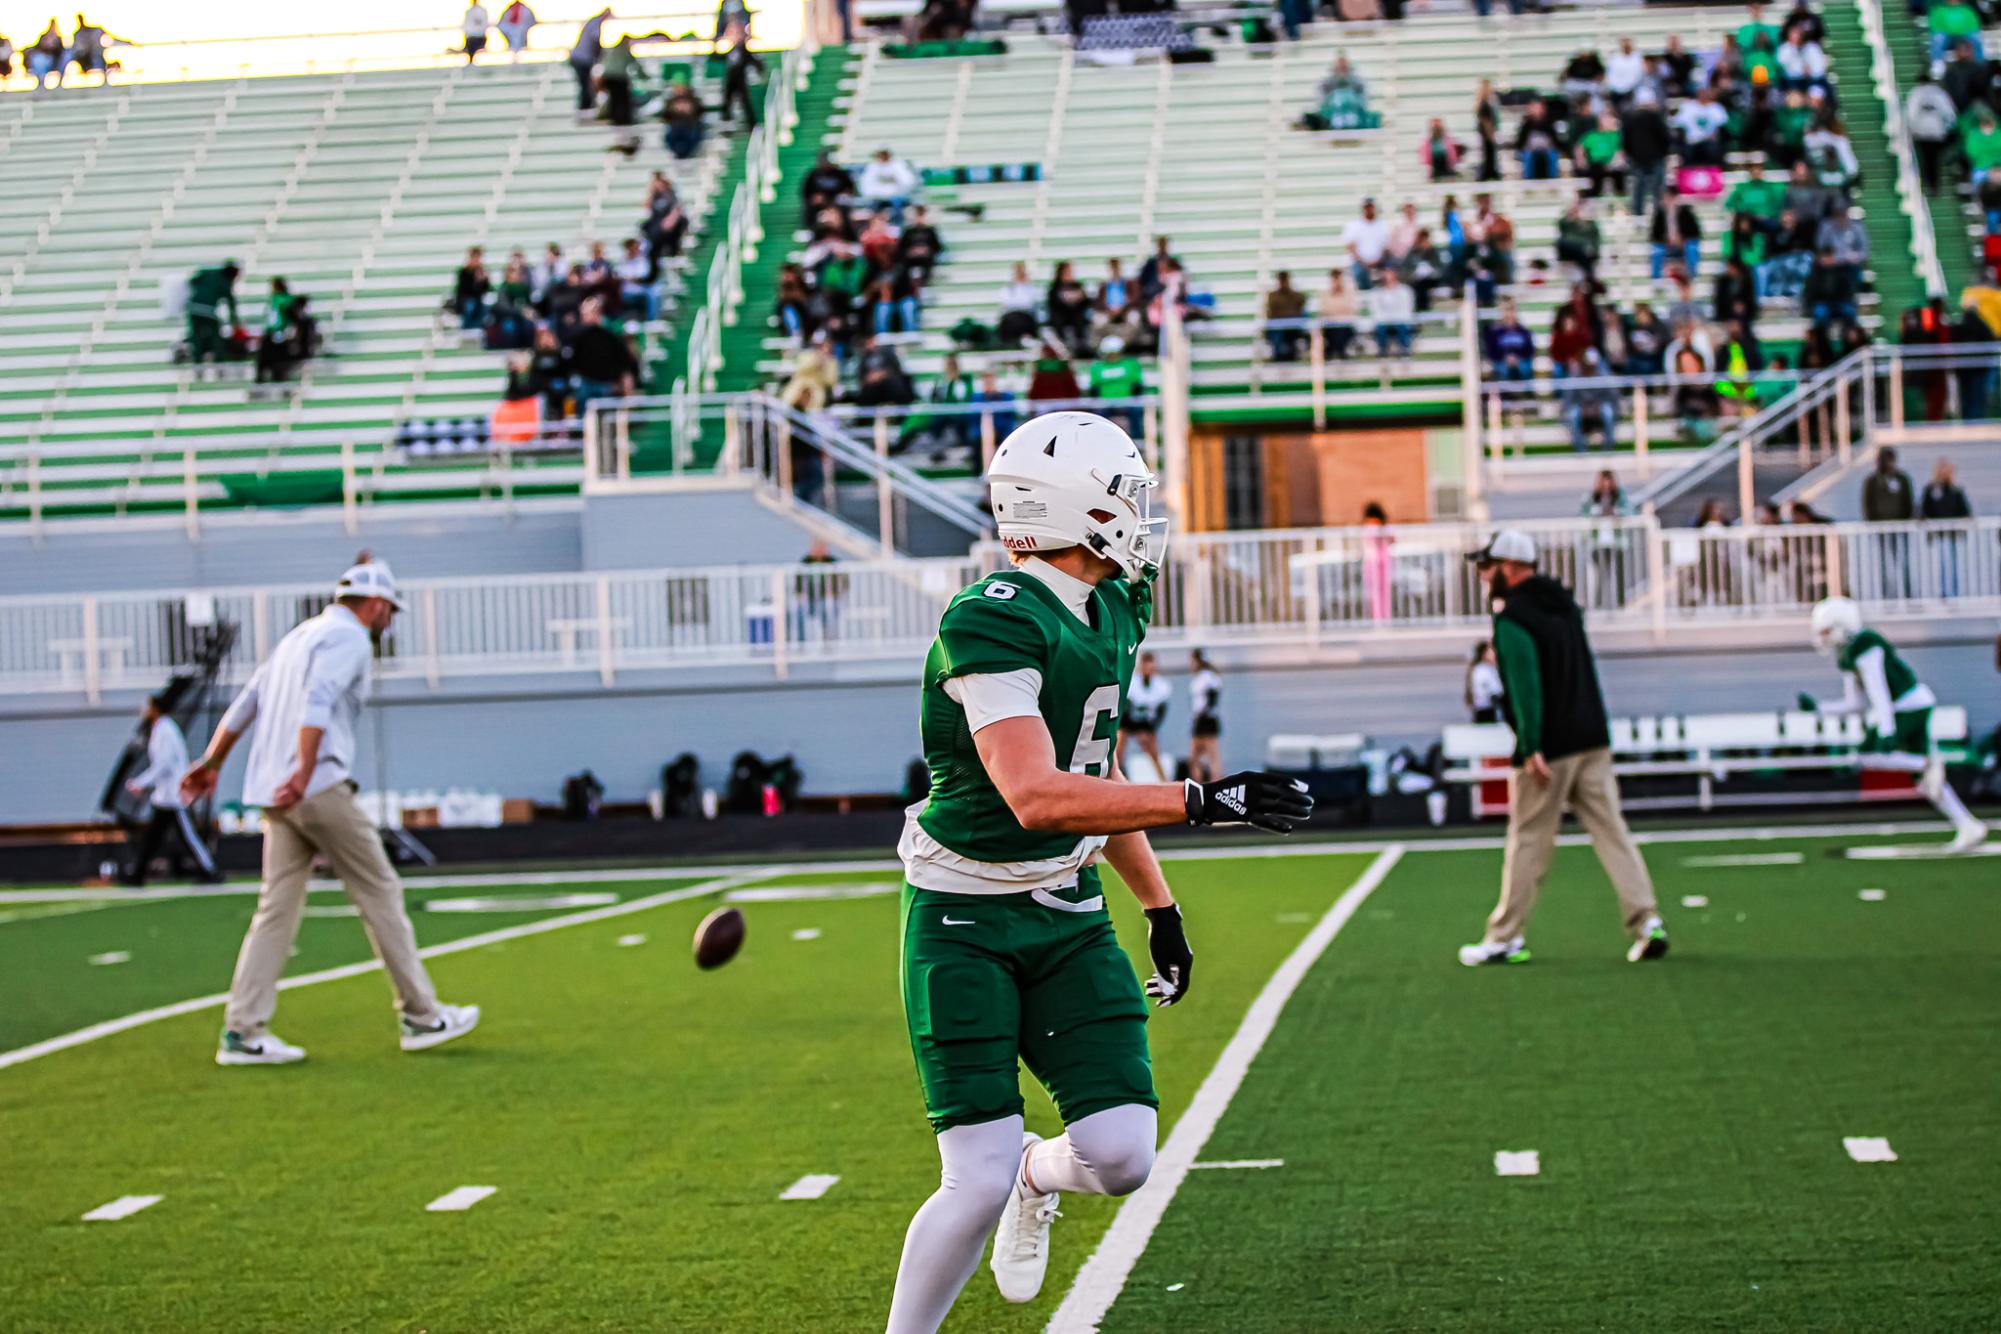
column 1835, row 621
column 1070, row 479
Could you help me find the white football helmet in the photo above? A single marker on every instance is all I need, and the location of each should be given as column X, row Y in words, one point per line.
column 1071, row 479
column 1835, row 621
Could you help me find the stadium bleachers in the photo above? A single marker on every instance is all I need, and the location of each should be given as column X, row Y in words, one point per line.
column 1210, row 155
column 362, row 190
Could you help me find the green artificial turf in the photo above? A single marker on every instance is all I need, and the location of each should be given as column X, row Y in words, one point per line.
column 640, row 1118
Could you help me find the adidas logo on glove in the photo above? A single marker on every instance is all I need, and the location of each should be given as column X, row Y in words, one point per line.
column 1231, row 798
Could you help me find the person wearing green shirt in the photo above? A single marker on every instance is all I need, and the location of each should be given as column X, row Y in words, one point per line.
column 1982, row 144
column 1953, row 21
column 1598, row 156
column 1789, row 126
column 1763, row 199
column 1117, row 374
column 274, row 340
column 615, row 74
column 1755, row 28
column 209, row 290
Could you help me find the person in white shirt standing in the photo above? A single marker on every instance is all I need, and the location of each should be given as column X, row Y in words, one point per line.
column 308, row 694
column 160, row 783
column 475, row 28
column 1205, row 730
column 1146, row 708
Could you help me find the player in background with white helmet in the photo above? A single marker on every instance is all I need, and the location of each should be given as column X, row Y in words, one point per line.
column 1009, row 956
column 1896, row 711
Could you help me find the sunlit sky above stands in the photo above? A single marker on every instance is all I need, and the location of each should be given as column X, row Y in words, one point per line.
column 208, row 39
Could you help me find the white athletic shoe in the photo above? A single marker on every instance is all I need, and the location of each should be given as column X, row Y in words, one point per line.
column 1652, row 944
column 1969, row 837
column 1502, row 951
column 267, row 1050
column 454, row 1021
column 1021, row 1242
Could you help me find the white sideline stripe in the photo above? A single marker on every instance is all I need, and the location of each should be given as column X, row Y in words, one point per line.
column 1747, row 859
column 1471, row 843
column 1868, row 1149
column 459, row 1200
column 1231, row 1164
column 862, row 889
column 1870, row 895
column 122, row 1207
column 33, row 912
column 111, row 1027
column 809, row 1187
column 1104, row 1275
column 1919, row 852
column 1518, row 1163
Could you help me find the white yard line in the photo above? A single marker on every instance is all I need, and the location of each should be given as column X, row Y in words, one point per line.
column 627, row 875
column 1517, row 1163
column 111, row 1027
column 809, row 1187
column 1235, row 1164
column 1104, row 1275
column 1745, row 859
column 1869, row 1149
column 459, row 1199
column 122, row 1207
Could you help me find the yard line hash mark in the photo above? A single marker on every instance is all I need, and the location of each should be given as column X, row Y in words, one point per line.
column 809, row 1187
column 109, row 957
column 1747, row 859
column 1869, row 1148
column 459, row 1199
column 1231, row 1164
column 1517, row 1163
column 1104, row 1275
column 122, row 1207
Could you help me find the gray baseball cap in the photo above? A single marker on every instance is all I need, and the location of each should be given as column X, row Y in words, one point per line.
column 1508, row 544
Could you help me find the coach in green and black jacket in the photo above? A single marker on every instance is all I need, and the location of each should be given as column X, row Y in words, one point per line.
column 1562, row 753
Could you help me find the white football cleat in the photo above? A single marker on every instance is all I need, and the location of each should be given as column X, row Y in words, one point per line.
column 1494, row 951
column 1021, row 1242
column 267, row 1050
column 1969, row 837
column 1652, row 944
column 454, row 1021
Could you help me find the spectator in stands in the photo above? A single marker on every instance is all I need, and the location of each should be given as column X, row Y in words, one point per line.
column 1788, row 258
column 1577, row 238
column 516, row 20
column 1422, row 268
column 1589, row 407
column 1886, row 493
column 1599, row 156
column 1646, row 341
column 1117, row 297
column 1366, row 240
column 1607, row 499
column 209, row 291
column 1537, row 142
column 824, row 186
column 616, row 69
column 1285, row 308
column 1736, row 291
column 1980, row 142
column 1695, row 398
column 919, row 246
column 86, row 51
column 1675, row 233
column 584, row 58
column 6, row 58
column 880, row 380
column 1338, row 312
column 1152, row 274
column 1050, row 379
column 1844, row 236
column 665, row 226
column 1809, row 200
column 1492, row 237
column 895, row 299
column 998, row 404
column 738, row 62
column 1117, row 374
column 1485, row 8
column 1931, row 116
column 637, row 279
column 1403, row 233
column 1953, row 23
column 887, row 182
column 1483, row 679
column 1510, row 346
column 275, row 340
column 1757, row 198
column 1645, row 142
column 1583, row 75
column 546, row 275
column 1018, row 317
column 45, row 57
column 815, row 376
column 1829, row 293
column 1712, row 515
column 599, row 360
column 1392, row 307
column 474, row 28
column 1440, row 153
column 1624, row 71
column 470, row 291
column 878, row 240
column 1802, row 64
column 683, row 114
column 1965, row 79
column 1699, row 121
column 789, row 307
column 1569, row 337
column 1068, row 303
column 1343, row 79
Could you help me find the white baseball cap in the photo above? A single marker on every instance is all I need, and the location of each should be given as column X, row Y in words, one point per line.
column 371, row 579
column 1508, row 544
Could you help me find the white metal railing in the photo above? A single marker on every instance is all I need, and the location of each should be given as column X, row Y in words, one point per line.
column 1300, row 588
column 1910, row 189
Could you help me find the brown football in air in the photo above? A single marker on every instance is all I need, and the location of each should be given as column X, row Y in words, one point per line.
column 718, row 938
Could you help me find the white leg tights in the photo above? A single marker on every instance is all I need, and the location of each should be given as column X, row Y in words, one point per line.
column 1105, row 1153
column 949, row 1234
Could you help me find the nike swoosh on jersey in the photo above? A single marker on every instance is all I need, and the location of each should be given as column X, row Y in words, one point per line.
column 958, row 921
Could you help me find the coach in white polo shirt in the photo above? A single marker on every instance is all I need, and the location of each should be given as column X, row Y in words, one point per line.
column 308, row 695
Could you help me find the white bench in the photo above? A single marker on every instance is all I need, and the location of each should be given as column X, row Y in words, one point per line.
column 1711, row 748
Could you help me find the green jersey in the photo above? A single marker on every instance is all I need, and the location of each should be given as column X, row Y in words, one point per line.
column 965, row 839
column 1897, row 675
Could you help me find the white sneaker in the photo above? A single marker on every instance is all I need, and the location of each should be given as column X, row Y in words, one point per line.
column 1969, row 837
column 454, row 1021
column 1021, row 1242
column 267, row 1050
column 1494, row 951
column 1652, row 944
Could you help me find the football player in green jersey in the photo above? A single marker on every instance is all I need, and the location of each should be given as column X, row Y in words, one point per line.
column 1896, row 711
column 1008, row 953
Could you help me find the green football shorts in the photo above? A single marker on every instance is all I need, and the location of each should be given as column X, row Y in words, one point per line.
column 994, row 981
column 1912, row 735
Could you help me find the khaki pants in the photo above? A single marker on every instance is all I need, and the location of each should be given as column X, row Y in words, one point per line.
column 330, row 822
column 1586, row 784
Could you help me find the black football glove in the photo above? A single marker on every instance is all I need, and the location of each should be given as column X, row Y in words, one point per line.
column 1269, row 801
column 1807, row 703
column 1172, row 959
